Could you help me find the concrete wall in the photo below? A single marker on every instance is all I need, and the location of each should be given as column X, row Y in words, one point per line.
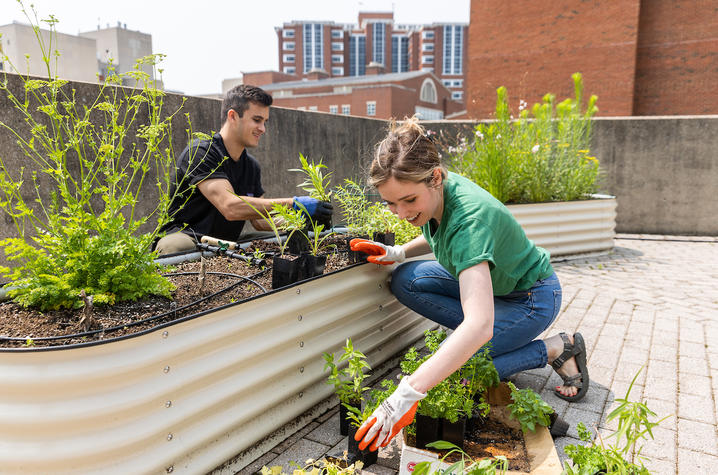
column 664, row 170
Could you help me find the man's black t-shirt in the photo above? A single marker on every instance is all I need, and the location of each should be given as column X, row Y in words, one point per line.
column 209, row 159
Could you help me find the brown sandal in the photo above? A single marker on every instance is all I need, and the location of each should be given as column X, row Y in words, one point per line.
column 580, row 380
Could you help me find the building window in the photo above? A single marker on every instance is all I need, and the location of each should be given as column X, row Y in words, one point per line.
column 427, row 60
column 357, row 55
column 337, row 71
column 346, row 109
column 288, row 33
column 453, row 49
column 427, row 35
column 313, row 46
column 458, row 83
column 289, row 45
column 399, row 54
column 446, row 82
column 457, row 95
column 428, row 91
column 334, row 109
column 337, row 34
column 378, row 36
column 337, row 46
column 427, row 47
column 290, row 70
column 312, row 108
column 337, row 58
column 288, row 58
column 301, row 108
column 371, row 108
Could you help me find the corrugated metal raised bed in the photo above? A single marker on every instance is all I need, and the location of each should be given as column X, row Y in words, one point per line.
column 188, row 396
column 570, row 227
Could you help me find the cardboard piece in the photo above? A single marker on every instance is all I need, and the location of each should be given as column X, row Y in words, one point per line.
column 543, row 458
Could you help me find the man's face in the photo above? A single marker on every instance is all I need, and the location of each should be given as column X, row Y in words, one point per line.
column 251, row 125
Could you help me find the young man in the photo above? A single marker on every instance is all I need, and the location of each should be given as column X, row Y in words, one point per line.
column 211, row 174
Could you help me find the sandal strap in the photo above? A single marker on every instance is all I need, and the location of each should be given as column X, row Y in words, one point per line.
column 569, row 351
column 574, row 381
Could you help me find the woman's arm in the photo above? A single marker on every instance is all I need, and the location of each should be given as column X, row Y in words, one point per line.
column 477, row 302
column 416, row 247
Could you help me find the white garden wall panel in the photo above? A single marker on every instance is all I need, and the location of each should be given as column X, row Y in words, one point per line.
column 188, row 397
column 569, row 227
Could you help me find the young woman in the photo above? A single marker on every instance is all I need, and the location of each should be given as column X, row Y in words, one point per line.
column 489, row 283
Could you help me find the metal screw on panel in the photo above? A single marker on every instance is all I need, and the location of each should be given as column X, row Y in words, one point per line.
column 169, row 436
column 301, row 370
column 301, row 344
column 381, row 329
column 165, row 334
column 380, row 286
column 299, row 291
column 381, row 307
column 170, row 469
column 167, row 369
column 168, row 404
column 299, row 318
column 301, row 394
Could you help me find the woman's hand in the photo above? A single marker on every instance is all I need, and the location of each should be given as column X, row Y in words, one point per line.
column 378, row 253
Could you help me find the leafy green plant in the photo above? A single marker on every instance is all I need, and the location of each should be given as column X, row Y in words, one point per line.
column 623, row 457
column 86, row 235
column 466, row 465
column 376, row 397
column 528, row 408
column 348, row 381
column 533, row 159
column 288, row 219
column 314, row 237
column 322, row 466
column 316, row 183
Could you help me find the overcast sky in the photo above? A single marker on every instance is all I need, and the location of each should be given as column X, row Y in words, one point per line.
column 208, row 41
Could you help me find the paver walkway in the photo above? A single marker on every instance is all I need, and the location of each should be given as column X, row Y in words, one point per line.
column 651, row 303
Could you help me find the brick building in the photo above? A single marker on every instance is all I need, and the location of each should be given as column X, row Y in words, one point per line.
column 657, row 57
column 345, row 50
column 374, row 94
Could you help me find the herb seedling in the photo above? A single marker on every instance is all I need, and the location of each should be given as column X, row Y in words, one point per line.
column 277, row 227
column 465, row 465
column 348, row 382
column 528, row 408
column 315, row 183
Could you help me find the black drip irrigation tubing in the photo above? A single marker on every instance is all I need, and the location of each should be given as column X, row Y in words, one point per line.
column 172, row 312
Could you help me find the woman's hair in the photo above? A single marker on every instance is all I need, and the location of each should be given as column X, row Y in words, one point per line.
column 407, row 154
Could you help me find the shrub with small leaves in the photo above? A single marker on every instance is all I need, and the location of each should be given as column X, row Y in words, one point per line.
column 528, row 408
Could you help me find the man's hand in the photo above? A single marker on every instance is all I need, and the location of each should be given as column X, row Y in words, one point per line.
column 396, row 412
column 378, row 253
column 313, row 207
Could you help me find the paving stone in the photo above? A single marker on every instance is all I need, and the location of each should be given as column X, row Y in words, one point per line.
column 663, row 353
column 256, row 466
column 696, row 408
column 664, row 410
column 595, row 400
column 339, row 450
column 662, row 467
column 662, row 388
column 299, row 453
column 627, row 371
column 328, row 432
column 390, row 455
column 697, row 436
column 691, row 349
column 663, row 445
column 323, row 418
column 283, row 446
column 605, row 359
column 693, row 384
column 377, row 469
column 526, row 380
column 574, row 415
column 690, row 462
column 693, row 365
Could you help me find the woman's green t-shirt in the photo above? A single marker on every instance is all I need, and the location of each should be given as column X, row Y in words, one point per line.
column 476, row 227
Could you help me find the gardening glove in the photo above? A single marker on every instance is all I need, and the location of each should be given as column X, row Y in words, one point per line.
column 379, row 253
column 390, row 417
column 312, row 207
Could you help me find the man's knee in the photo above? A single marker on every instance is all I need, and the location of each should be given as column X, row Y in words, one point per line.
column 174, row 243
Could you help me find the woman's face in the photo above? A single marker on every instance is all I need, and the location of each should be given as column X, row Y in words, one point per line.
column 415, row 202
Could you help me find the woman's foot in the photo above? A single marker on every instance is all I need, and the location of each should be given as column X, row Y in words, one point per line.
column 568, row 357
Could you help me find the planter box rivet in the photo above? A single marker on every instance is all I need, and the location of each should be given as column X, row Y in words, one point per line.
column 299, row 318
column 301, row 394
column 301, row 370
column 301, row 344
column 381, row 307
column 165, row 334
column 168, row 404
column 167, row 369
column 170, row 469
column 380, row 286
column 169, row 436
column 299, row 291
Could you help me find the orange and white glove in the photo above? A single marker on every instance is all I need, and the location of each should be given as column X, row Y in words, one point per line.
column 396, row 412
column 378, row 253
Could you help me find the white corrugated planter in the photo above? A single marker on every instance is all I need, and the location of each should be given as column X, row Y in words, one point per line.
column 190, row 395
column 570, row 227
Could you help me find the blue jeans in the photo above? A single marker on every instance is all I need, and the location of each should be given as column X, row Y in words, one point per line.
column 519, row 317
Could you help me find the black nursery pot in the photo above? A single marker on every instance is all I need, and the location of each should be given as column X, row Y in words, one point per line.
column 356, row 256
column 298, row 244
column 388, row 239
column 313, row 265
column 475, row 422
column 427, row 430
column 366, row 456
column 286, row 272
column 343, row 420
column 453, row 431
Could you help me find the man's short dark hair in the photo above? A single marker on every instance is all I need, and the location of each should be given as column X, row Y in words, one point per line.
column 239, row 97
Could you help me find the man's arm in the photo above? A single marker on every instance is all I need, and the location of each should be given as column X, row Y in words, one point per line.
column 219, row 192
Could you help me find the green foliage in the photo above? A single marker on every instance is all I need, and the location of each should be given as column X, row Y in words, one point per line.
column 533, row 159
column 287, row 219
column 315, row 183
column 85, row 236
column 294, row 221
column 529, row 409
column 364, row 217
column 467, row 465
column 322, row 466
column 348, row 381
column 623, row 457
column 454, row 396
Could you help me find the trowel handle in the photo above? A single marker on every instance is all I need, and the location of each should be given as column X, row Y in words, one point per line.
column 219, row 243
